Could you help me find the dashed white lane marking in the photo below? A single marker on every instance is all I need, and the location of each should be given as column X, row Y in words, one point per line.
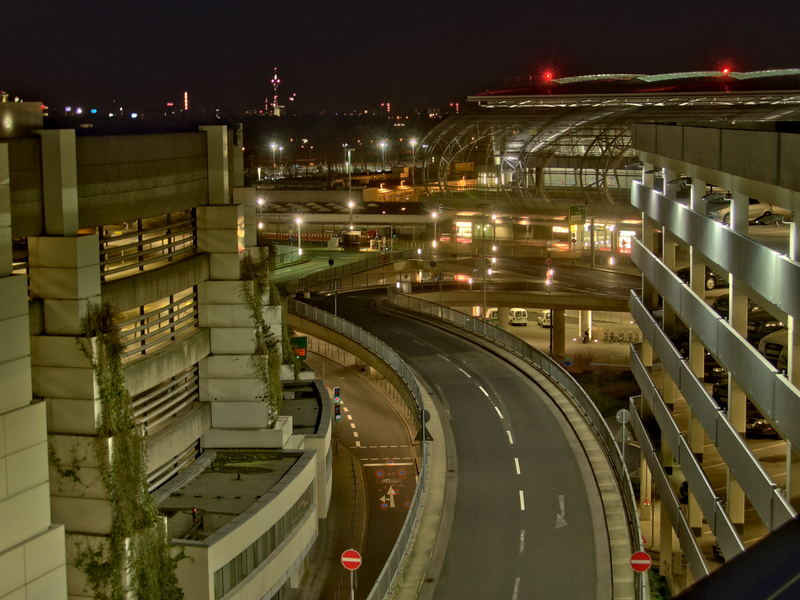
column 390, row 458
column 508, row 433
column 442, row 356
column 349, row 417
column 515, row 595
column 394, row 446
column 516, row 465
column 498, row 412
column 388, row 464
column 485, row 393
column 521, row 500
column 464, row 372
column 521, row 542
column 346, row 409
column 358, row 444
column 355, row 434
column 352, row 425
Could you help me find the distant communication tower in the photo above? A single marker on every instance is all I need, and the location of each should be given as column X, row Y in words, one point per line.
column 275, row 81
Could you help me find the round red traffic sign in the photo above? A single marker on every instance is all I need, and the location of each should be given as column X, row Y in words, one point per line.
column 640, row 561
column 351, row 559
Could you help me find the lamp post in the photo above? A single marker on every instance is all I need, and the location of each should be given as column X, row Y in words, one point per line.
column 280, row 150
column 435, row 215
column 260, row 212
column 382, row 146
column 299, row 222
column 351, row 205
column 413, row 142
column 273, row 146
column 483, row 256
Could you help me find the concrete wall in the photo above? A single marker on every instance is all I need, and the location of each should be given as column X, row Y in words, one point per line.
column 197, row 576
column 765, row 157
column 128, row 177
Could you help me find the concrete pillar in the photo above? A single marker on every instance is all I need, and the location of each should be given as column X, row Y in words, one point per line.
column 695, row 514
column 239, row 417
column 59, row 181
column 502, row 317
column 648, row 176
column 669, row 190
column 649, row 296
column 558, row 332
column 665, row 542
column 669, row 249
column 645, row 492
column 584, row 322
column 793, row 367
column 217, row 149
column 32, row 549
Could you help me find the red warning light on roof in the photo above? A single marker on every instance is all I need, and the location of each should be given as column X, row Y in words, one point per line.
column 548, row 76
column 726, row 70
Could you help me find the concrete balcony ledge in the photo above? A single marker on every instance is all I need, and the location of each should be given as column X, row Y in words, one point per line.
column 239, row 496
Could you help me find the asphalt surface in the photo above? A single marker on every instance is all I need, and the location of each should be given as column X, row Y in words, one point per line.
column 522, row 525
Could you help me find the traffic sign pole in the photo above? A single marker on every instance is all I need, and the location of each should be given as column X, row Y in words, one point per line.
column 351, row 560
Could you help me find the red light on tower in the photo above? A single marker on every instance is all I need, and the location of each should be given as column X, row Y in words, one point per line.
column 547, row 76
column 726, row 71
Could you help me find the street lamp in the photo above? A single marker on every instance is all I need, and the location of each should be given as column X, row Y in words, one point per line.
column 382, row 146
column 260, row 212
column 280, row 150
column 348, row 164
column 273, row 146
column 434, row 214
column 413, row 142
column 299, row 222
column 351, row 205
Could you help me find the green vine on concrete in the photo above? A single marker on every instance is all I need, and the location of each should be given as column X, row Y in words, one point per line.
column 136, row 550
column 266, row 359
column 72, row 470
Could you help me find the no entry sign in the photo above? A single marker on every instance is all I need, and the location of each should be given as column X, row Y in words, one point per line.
column 640, row 561
column 351, row 559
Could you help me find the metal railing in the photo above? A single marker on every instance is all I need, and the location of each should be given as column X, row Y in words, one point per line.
column 157, row 324
column 373, row 261
column 558, row 375
column 139, row 250
column 164, row 401
column 391, row 358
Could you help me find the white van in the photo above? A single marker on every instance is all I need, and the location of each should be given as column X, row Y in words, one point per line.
column 775, row 348
column 544, row 319
column 517, row 316
column 491, row 315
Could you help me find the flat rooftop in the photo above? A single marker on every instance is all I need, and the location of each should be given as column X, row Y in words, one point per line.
column 220, row 486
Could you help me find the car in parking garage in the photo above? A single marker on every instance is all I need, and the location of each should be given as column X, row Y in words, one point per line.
column 757, row 212
column 713, row 280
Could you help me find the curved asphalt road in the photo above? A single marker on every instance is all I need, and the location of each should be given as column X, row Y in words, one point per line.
column 522, row 526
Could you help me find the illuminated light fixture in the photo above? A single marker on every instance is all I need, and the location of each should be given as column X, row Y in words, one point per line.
column 419, row 251
column 93, row 111
column 299, row 252
column 726, row 71
column 134, row 115
column 67, row 109
column 548, row 76
column 260, row 201
column 260, row 225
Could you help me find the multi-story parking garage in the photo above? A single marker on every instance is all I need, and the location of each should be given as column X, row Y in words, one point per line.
column 719, row 464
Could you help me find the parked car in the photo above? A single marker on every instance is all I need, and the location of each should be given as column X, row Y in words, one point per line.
column 760, row 324
column 713, row 279
column 757, row 212
column 721, row 304
column 517, row 316
column 756, row 425
column 544, row 319
column 775, row 348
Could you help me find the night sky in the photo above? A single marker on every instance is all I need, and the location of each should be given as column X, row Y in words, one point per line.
column 348, row 54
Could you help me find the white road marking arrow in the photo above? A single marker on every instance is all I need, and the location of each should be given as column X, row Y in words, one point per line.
column 562, row 513
column 391, row 492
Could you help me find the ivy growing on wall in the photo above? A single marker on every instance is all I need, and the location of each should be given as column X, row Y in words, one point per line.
column 266, row 359
column 136, row 558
